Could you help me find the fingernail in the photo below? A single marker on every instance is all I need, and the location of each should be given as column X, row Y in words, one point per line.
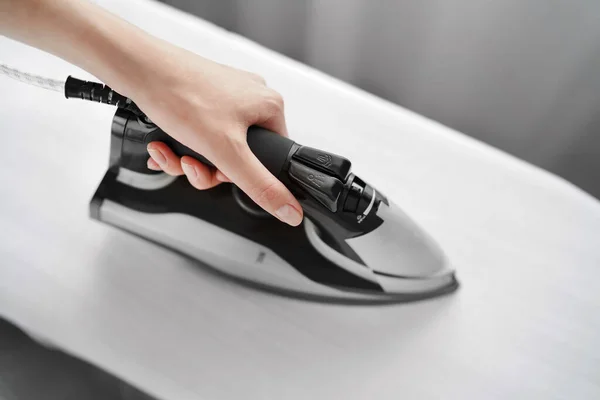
column 157, row 156
column 189, row 170
column 289, row 215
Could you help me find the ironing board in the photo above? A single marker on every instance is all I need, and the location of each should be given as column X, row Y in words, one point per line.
column 524, row 324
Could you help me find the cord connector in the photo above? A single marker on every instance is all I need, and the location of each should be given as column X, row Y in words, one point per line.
column 98, row 92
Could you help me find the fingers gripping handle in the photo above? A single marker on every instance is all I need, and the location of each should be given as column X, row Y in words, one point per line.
column 133, row 135
column 158, row 135
column 270, row 148
column 321, row 181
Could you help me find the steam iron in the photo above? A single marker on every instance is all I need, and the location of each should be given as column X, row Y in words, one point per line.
column 353, row 245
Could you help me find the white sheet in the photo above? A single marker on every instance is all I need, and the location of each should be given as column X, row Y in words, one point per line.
column 525, row 323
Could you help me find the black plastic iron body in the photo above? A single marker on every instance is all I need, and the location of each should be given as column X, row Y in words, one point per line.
column 220, row 207
column 339, row 203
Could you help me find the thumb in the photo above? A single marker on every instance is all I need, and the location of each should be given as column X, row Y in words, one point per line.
column 253, row 178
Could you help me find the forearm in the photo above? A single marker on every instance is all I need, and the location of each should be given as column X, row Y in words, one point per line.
column 204, row 105
column 84, row 34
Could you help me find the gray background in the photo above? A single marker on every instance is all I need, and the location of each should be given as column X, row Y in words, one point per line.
column 521, row 75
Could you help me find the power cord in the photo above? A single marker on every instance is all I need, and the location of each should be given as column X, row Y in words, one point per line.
column 74, row 88
column 31, row 79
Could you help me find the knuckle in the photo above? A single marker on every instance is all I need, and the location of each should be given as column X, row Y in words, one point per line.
column 274, row 103
column 230, row 144
column 258, row 78
column 198, row 183
column 278, row 98
column 237, row 143
column 225, row 140
column 266, row 193
column 169, row 171
column 196, row 178
column 170, row 166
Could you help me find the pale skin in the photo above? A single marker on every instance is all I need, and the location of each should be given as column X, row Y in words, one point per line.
column 203, row 104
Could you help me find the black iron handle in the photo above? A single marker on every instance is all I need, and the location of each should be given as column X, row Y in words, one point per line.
column 270, row 148
column 135, row 134
column 321, row 181
column 158, row 135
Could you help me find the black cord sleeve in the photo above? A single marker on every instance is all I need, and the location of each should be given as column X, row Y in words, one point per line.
column 94, row 91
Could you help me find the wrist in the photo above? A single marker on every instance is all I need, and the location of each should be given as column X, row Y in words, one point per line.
column 108, row 47
column 117, row 52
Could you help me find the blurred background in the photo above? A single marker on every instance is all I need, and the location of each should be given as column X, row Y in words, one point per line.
column 521, row 75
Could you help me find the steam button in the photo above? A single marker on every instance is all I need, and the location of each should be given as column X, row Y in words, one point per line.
column 329, row 163
column 326, row 189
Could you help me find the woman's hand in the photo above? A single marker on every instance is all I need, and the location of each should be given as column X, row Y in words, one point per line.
column 209, row 107
column 204, row 105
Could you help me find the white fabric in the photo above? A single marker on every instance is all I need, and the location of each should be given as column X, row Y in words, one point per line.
column 524, row 324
